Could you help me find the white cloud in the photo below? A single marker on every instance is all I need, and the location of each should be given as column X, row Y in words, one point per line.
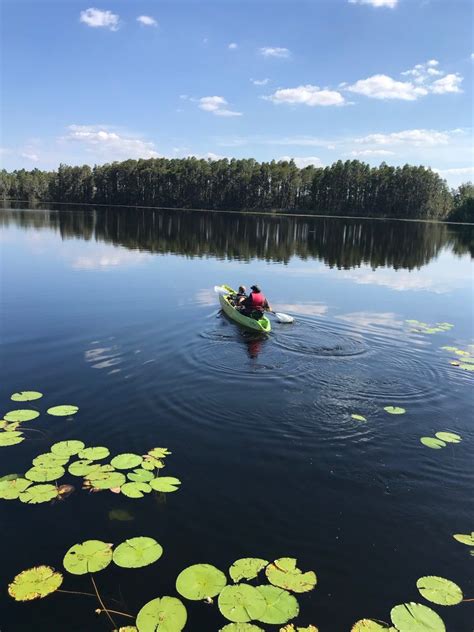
column 371, row 152
column 472, row 56
column 303, row 161
column 307, row 95
column 456, row 171
column 233, row 46
column 260, row 82
column 216, row 105
column 269, row 51
column 30, row 156
column 147, row 20
column 416, row 137
column 391, row 4
column 108, row 144
column 384, row 87
column 100, row 19
column 422, row 73
column 449, row 83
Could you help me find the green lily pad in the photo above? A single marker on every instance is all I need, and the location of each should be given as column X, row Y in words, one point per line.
column 81, row 468
column 90, row 556
column 311, row 628
column 135, row 490
column 137, row 552
column 466, row 367
column 414, row 617
column 448, row 348
column 37, row 494
column 63, row 411
column 45, row 473
column 246, row 568
column 10, row 438
column 241, row 627
column 461, row 352
column 127, row 628
column 200, row 581
column 105, row 480
column 159, row 453
column 285, row 574
column 26, row 396
column 140, row 476
column 35, row 583
column 11, row 489
column 50, row 459
column 21, row 415
column 448, row 437
column 165, row 484
column 67, row 448
column 121, row 515
column 241, row 603
column 126, row 461
column 465, row 538
column 369, row 625
column 439, row 590
column 281, row 606
column 358, row 417
column 164, row 614
column 94, row 454
column 150, row 463
column 394, row 410
column 431, row 442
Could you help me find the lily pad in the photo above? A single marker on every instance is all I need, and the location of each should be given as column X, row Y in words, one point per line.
column 135, row 490
column 159, row 453
column 281, row 606
column 26, row 396
column 137, row 552
column 150, row 463
column 10, row 438
column 45, row 473
column 439, row 590
column 90, row 556
column 126, row 461
column 431, row 442
column 414, row 617
column 466, row 367
column 448, row 348
column 106, row 480
column 37, row 494
column 285, row 574
column 465, row 538
column 67, row 448
column 50, row 459
column 140, row 476
column 358, row 417
column 164, row 614
column 291, row 628
column 246, row 568
column 11, row 489
column 94, row 454
column 394, row 410
column 369, row 625
column 448, row 437
column 241, row 627
column 165, row 484
column 63, row 411
column 241, row 603
column 200, row 581
column 81, row 468
column 21, row 415
column 121, row 515
column 35, row 583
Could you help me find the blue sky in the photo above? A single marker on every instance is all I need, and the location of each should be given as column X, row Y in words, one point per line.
column 321, row 80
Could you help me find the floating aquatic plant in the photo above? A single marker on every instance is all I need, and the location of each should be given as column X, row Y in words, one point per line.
column 67, row 448
column 165, row 484
column 394, row 410
column 126, row 461
column 280, row 605
column 241, row 603
column 440, row 440
column 26, row 396
column 49, row 459
column 241, row 627
column 200, row 581
column 432, row 442
column 291, row 628
column 21, row 415
column 81, row 467
column 90, row 556
column 94, row 454
column 10, row 438
column 11, row 489
column 36, row 494
column 285, row 574
column 140, row 475
column 105, row 480
column 167, row 613
column 439, row 590
column 465, row 538
column 63, row 411
column 358, row 417
column 45, row 473
column 246, row 568
column 135, row 489
column 448, row 437
column 415, row 617
column 370, row 625
column 35, row 583
column 137, row 552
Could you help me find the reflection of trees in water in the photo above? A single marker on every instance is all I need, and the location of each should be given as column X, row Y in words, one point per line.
column 340, row 243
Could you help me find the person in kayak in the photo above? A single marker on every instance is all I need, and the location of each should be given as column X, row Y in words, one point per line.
column 241, row 295
column 256, row 303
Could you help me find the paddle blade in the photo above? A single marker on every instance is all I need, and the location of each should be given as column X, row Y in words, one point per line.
column 219, row 289
column 284, row 318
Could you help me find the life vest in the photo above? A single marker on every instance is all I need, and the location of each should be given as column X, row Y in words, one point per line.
column 257, row 301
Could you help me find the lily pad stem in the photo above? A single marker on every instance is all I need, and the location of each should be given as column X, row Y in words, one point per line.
column 123, row 614
column 101, row 602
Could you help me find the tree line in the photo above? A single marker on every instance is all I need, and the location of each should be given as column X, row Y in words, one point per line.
column 344, row 188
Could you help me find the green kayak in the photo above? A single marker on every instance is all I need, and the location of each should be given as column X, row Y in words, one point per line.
column 263, row 324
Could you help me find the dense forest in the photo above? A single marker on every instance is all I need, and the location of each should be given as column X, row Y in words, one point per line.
column 344, row 188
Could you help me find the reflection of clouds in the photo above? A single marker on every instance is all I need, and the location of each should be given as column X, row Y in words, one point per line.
column 367, row 319
column 112, row 258
column 309, row 309
column 205, row 297
column 103, row 357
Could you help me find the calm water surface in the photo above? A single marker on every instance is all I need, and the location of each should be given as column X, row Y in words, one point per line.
column 113, row 310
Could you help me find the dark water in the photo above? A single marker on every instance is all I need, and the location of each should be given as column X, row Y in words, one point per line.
column 113, row 310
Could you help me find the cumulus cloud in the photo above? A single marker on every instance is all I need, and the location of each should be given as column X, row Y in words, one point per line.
column 233, row 46
column 422, row 73
column 30, row 156
column 449, row 83
column 303, row 161
column 456, row 171
column 109, row 144
column 391, row 4
column 147, row 20
column 384, row 87
column 307, row 95
column 100, row 19
column 416, row 137
column 260, row 82
column 269, row 51
column 368, row 153
column 217, row 106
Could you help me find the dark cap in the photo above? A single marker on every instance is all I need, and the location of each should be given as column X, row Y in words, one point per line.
column 255, row 288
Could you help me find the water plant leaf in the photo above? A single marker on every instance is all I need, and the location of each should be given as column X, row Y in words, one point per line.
column 81, row 468
column 439, row 590
column 394, row 410
column 45, row 473
column 432, row 442
column 62, row 411
column 105, row 480
column 140, row 476
column 127, row 628
column 358, row 417
column 466, row 367
column 150, row 463
column 165, row 484
column 10, row 438
column 21, row 415
column 241, row 603
column 370, row 625
column 291, row 628
column 414, row 617
column 246, row 568
column 285, row 574
column 49, row 459
column 122, row 515
column 241, row 627
column 37, row 494
column 90, row 556
column 465, row 538
column 35, row 583
column 461, row 352
column 137, row 552
column 11, row 489
column 448, row 348
column 448, row 437
column 126, row 461
column 164, row 614
column 135, row 490
column 94, row 454
column 280, row 605
column 159, row 453
column 67, row 448
column 26, row 396
column 200, row 581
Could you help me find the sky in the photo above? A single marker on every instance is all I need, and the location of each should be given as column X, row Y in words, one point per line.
column 89, row 82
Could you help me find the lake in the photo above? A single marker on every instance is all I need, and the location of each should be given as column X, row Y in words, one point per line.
column 113, row 310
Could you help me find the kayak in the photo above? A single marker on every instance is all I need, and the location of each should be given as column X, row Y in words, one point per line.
column 263, row 324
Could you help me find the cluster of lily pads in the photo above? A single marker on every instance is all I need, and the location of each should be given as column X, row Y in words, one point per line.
column 462, row 358
column 465, row 538
column 419, row 327
column 411, row 616
column 391, row 410
column 440, row 440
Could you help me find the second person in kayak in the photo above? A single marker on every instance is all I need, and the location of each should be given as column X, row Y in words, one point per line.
column 256, row 303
